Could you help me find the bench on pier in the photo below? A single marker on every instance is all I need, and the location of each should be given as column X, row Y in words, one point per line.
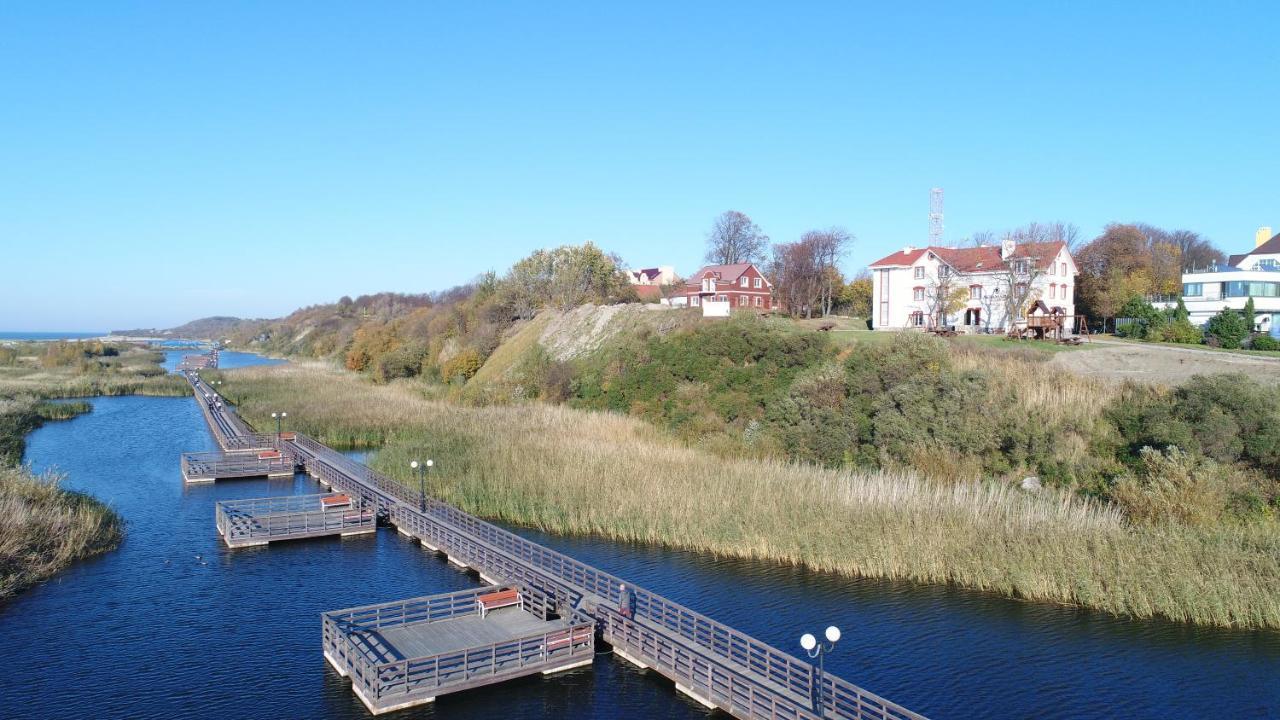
column 495, row 600
column 288, row 436
column 335, row 501
column 269, row 455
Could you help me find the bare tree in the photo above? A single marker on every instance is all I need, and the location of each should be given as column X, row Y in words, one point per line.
column 797, row 277
column 944, row 296
column 1019, row 275
column 828, row 247
column 1057, row 231
column 734, row 238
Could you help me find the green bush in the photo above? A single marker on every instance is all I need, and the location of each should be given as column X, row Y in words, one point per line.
column 1227, row 328
column 1181, row 331
column 462, row 366
column 1264, row 342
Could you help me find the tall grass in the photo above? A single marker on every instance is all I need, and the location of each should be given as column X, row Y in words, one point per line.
column 572, row 471
column 47, row 528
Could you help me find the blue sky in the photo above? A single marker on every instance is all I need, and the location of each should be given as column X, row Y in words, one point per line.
column 166, row 161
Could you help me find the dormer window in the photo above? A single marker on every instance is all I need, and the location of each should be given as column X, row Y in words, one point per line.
column 708, row 284
column 1020, row 267
column 744, row 281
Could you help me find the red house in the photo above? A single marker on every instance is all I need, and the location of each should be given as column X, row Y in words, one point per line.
column 742, row 285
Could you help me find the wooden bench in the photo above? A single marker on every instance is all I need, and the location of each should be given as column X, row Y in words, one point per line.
column 335, row 501
column 826, row 327
column 269, row 455
column 288, row 436
column 495, row 600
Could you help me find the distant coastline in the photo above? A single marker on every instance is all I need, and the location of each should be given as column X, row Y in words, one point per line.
column 33, row 335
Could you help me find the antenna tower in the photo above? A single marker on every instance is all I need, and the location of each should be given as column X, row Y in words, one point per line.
column 935, row 216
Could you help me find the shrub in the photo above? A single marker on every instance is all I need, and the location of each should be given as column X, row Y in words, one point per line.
column 1228, row 327
column 1171, row 484
column 1264, row 342
column 462, row 366
column 1181, row 331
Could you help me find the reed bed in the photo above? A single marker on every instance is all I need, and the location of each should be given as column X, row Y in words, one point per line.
column 46, row 528
column 572, row 471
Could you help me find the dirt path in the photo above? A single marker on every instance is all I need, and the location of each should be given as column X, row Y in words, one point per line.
column 1163, row 364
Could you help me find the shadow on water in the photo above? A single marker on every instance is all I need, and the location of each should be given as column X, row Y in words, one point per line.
column 175, row 624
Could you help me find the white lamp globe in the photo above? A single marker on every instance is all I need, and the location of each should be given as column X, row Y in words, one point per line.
column 414, row 464
column 284, row 414
column 808, row 641
column 430, row 463
column 833, row 633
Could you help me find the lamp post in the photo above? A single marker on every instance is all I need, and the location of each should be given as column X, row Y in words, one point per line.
column 421, row 469
column 279, row 420
column 815, row 649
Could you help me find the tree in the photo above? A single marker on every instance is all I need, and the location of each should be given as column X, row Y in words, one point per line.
column 565, row 277
column 944, row 297
column 1018, row 276
column 856, row 296
column 797, row 276
column 828, row 247
column 734, row 238
column 1227, row 328
column 1250, row 315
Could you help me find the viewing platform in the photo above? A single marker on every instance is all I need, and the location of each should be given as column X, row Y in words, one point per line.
column 259, row 521
column 410, row 652
column 211, row 466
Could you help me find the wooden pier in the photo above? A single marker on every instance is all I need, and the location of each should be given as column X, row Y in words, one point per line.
column 716, row 665
column 258, row 521
column 211, row 466
column 410, row 652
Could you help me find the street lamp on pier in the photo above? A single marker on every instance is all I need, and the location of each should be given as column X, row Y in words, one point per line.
column 279, row 421
column 421, row 469
column 815, row 649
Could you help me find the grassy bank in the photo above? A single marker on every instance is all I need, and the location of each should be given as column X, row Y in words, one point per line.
column 577, row 471
column 46, row 528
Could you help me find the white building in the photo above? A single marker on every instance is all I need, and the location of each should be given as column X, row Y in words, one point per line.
column 1255, row 274
column 661, row 275
column 910, row 288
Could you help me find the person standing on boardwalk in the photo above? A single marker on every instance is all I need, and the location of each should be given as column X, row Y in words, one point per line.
column 627, row 601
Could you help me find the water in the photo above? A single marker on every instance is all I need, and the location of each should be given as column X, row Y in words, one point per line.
column 173, row 624
column 227, row 359
column 50, row 335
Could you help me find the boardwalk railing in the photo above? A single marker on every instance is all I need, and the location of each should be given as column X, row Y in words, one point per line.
column 261, row 520
column 353, row 643
column 215, row 465
column 757, row 667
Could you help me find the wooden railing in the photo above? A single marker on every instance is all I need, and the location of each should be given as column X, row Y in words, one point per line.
column 266, row 519
column 384, row 680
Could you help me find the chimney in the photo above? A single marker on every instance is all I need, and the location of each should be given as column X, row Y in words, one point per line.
column 908, row 250
column 1006, row 248
column 1263, row 235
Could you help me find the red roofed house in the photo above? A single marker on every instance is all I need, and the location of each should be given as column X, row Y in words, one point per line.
column 740, row 286
column 909, row 287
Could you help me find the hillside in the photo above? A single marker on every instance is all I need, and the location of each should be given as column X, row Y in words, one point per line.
column 216, row 327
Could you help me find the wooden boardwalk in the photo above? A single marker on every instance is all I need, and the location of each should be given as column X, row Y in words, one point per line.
column 716, row 665
column 208, row 467
column 260, row 521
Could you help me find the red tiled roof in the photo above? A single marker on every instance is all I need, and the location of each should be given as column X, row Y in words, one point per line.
column 727, row 273
column 968, row 260
column 901, row 257
column 1269, row 247
column 647, row 292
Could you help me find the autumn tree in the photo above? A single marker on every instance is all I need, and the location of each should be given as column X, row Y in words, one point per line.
column 734, row 238
column 797, row 276
column 944, row 296
column 565, row 277
column 856, row 295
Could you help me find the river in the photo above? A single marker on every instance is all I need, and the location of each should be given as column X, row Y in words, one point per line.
column 173, row 624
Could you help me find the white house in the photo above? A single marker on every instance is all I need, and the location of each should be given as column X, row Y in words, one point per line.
column 910, row 288
column 1255, row 274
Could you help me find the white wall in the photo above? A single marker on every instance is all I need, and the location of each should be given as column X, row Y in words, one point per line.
column 715, row 308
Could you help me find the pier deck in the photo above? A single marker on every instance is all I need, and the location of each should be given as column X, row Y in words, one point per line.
column 260, row 521
column 410, row 652
column 208, row 467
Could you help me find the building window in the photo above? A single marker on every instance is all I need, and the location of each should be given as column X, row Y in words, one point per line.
column 920, row 273
column 744, row 281
column 742, row 300
column 975, row 292
column 722, row 298
column 1192, row 289
column 917, row 318
column 1053, row 291
column 759, row 283
column 1065, row 297
column 695, row 300
column 944, row 271
column 1020, row 267
column 917, row 293
column 1250, row 289
column 708, row 285
column 1064, row 270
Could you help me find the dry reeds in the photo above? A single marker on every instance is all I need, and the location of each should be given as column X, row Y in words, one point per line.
column 582, row 472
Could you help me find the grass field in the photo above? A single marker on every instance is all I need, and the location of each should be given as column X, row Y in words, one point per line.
column 573, row 471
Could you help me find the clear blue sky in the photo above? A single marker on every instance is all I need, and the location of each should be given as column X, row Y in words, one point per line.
column 310, row 150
